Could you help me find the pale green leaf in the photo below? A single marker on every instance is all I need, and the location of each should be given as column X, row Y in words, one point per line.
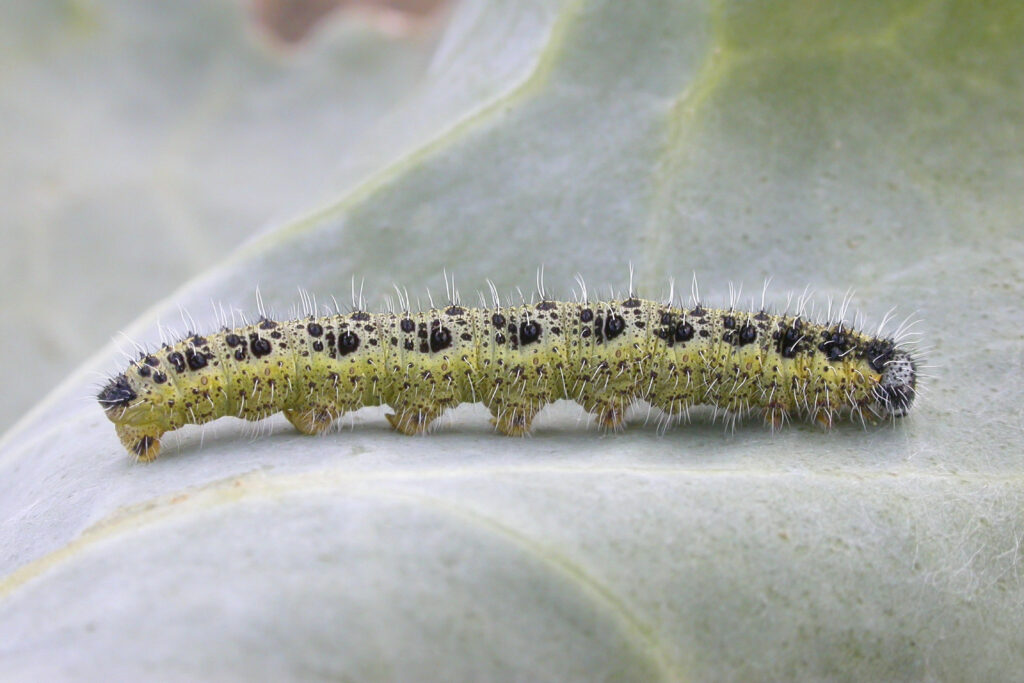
column 872, row 146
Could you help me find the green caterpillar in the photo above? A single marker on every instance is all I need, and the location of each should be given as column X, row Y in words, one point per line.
column 604, row 355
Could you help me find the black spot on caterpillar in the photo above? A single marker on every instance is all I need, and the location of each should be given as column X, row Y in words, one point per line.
column 604, row 355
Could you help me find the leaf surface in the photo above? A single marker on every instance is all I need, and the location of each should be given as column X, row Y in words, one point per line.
column 874, row 147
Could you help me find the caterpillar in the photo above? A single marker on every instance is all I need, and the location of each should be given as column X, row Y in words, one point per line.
column 604, row 355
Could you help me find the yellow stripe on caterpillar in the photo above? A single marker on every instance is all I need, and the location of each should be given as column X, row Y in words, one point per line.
column 515, row 360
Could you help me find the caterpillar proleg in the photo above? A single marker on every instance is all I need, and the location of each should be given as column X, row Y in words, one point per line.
column 605, row 355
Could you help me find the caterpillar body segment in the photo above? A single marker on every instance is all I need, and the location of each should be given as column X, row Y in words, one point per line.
column 515, row 360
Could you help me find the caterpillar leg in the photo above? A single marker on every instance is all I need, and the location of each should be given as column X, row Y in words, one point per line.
column 610, row 416
column 514, row 422
column 144, row 442
column 775, row 416
column 310, row 421
column 411, row 423
column 869, row 416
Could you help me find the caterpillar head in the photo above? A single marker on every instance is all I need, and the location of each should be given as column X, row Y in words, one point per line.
column 894, row 393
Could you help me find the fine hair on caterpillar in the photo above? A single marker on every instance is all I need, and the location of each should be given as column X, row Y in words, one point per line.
column 515, row 359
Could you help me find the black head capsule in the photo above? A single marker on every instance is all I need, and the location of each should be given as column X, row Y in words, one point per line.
column 895, row 392
column 879, row 352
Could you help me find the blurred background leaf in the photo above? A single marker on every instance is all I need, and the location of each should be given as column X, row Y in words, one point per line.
column 142, row 142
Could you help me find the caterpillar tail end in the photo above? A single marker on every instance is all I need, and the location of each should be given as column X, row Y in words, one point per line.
column 144, row 443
